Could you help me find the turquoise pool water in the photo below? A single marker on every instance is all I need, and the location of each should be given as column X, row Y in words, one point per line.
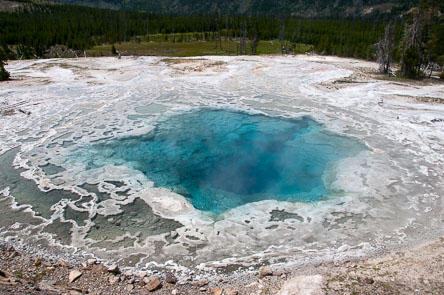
column 220, row 159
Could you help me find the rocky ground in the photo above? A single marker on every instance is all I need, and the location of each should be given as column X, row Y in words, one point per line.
column 416, row 271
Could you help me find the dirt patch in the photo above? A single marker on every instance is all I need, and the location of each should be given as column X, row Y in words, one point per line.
column 421, row 268
column 200, row 65
column 370, row 74
column 422, row 98
column 175, row 61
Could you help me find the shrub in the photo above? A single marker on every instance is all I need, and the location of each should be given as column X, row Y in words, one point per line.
column 4, row 74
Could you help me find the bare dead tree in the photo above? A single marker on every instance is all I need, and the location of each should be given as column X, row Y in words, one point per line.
column 229, row 34
column 282, row 36
column 243, row 49
column 385, row 50
column 216, row 21
column 255, row 38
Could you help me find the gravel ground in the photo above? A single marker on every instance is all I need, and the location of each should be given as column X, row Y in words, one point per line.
column 416, row 271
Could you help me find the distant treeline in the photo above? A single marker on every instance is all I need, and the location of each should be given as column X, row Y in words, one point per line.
column 35, row 27
column 416, row 40
column 368, row 9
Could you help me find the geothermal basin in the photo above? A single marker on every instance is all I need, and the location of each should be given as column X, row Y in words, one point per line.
column 207, row 163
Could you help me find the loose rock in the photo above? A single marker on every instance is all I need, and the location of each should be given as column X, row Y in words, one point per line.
column 79, row 290
column 113, row 269
column 47, row 264
column 129, row 287
column 113, row 280
column 153, row 284
column 170, row 278
column 37, row 261
column 131, row 281
column 146, row 280
column 3, row 274
column 99, row 268
column 63, row 263
column 230, row 291
column 201, row 283
column 74, row 275
column 369, row 281
column 84, row 266
column 302, row 285
column 266, row 271
column 216, row 291
column 91, row 261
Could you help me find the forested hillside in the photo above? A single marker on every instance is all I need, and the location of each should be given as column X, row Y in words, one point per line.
column 40, row 29
column 282, row 8
column 33, row 29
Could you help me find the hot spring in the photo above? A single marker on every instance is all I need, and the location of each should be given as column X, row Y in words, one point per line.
column 146, row 163
column 221, row 159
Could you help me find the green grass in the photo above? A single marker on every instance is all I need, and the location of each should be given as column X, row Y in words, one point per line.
column 194, row 48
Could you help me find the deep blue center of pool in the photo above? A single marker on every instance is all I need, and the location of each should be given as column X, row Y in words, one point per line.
column 222, row 159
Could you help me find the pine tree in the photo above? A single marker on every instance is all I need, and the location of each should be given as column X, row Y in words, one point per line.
column 417, row 55
column 4, row 74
